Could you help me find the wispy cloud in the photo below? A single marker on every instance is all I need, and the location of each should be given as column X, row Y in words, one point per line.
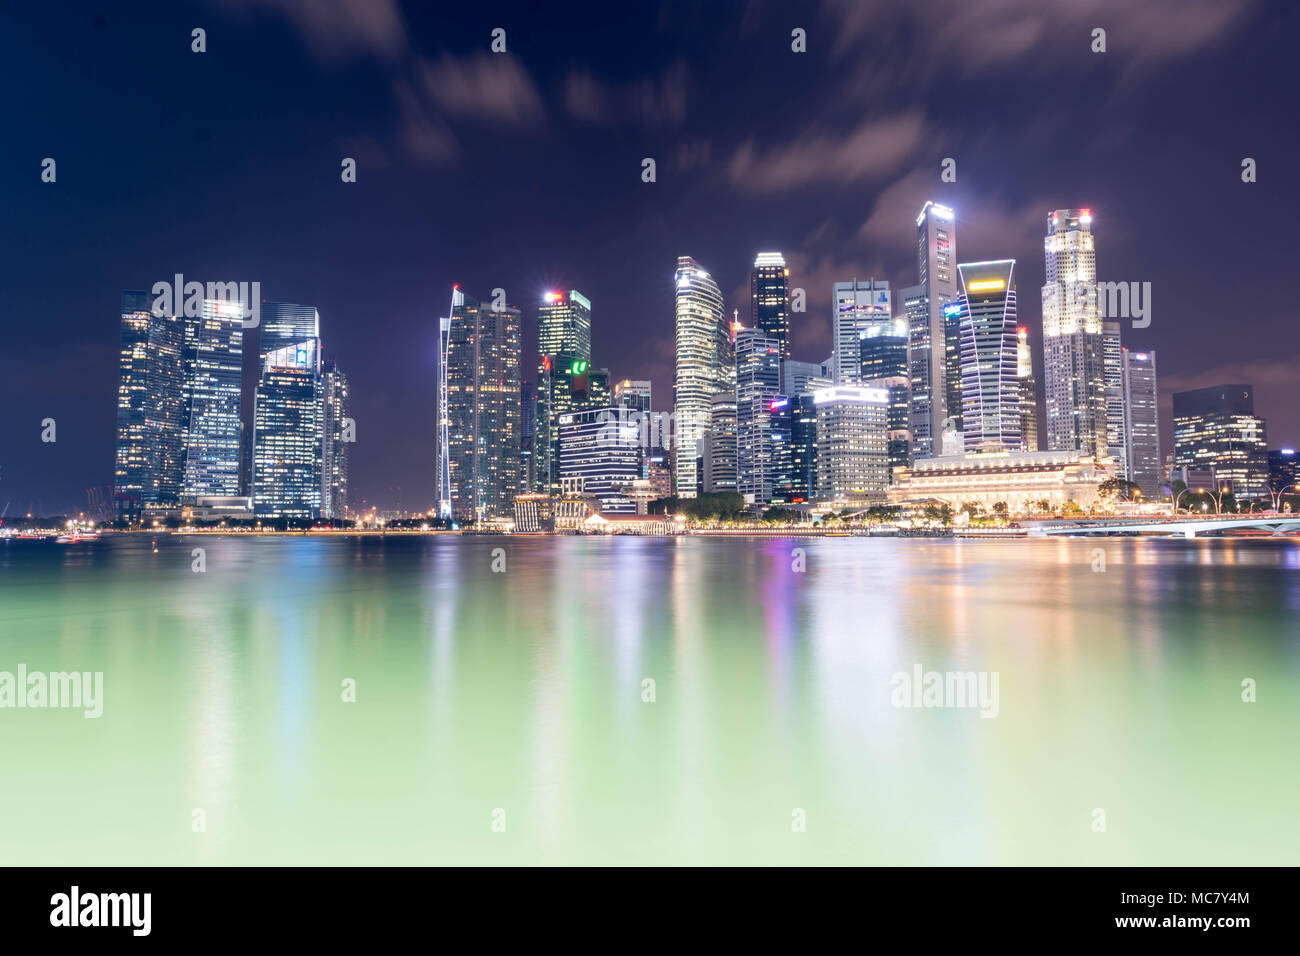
column 493, row 87
column 337, row 30
column 657, row 101
column 875, row 148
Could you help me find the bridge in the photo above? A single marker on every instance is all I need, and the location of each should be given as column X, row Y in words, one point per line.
column 1174, row 527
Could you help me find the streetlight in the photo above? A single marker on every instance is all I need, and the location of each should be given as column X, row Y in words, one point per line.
column 1277, row 496
column 1179, row 495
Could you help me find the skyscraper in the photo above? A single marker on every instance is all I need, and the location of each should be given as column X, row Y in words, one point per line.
column 1028, row 391
column 883, row 364
column 288, row 441
column 600, row 447
column 924, row 303
column 769, row 298
column 703, row 340
column 337, row 437
column 1216, row 429
column 852, row 463
column 213, row 380
column 482, row 360
column 718, row 446
column 633, row 393
column 798, row 378
column 1112, row 353
column 803, row 446
column 289, row 415
column 564, row 325
column 527, row 437
column 990, row 390
column 1141, row 421
column 858, row 306
column 151, row 410
column 1074, row 375
column 564, row 384
column 758, row 384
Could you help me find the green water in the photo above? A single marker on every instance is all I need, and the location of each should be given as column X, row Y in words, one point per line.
column 522, row 691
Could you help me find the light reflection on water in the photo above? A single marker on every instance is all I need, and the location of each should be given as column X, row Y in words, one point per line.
column 522, row 690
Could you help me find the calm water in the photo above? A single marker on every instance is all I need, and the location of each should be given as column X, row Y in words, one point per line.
column 522, row 691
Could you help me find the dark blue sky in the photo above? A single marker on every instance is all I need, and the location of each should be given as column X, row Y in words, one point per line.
column 522, row 171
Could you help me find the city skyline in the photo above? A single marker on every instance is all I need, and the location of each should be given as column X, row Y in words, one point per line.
column 381, row 282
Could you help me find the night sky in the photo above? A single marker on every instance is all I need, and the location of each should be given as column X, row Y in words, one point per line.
column 523, row 171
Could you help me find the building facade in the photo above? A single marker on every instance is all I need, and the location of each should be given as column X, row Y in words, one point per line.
column 1028, row 391
column 1024, row 481
column 599, row 446
column 769, row 299
column 564, row 325
column 1074, row 374
column 1141, row 421
column 882, row 349
column 852, row 451
column 758, row 384
column 924, row 303
column 288, row 440
column 987, row 326
column 1112, row 352
column 702, row 350
column 482, row 410
column 1216, row 430
column 339, row 434
column 858, row 306
column 152, row 411
column 213, row 364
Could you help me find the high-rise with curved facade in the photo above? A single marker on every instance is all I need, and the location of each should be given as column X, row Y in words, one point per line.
column 702, row 345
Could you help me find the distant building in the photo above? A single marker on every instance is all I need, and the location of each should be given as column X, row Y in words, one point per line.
column 482, row 357
column 1020, row 479
column 803, row 447
column 599, row 447
column 799, row 378
column 1216, row 429
column 288, row 437
column 633, row 393
column 338, row 437
column 859, row 306
column 288, row 479
column 990, row 390
column 883, row 354
column 769, row 299
column 1028, row 391
column 1141, row 421
column 1113, row 367
column 1074, row 375
column 564, row 325
column 758, row 384
column 924, row 306
column 703, row 365
column 718, row 446
column 152, row 411
column 527, row 436
column 213, row 383
column 565, row 384
column 852, row 459
column 1282, row 471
